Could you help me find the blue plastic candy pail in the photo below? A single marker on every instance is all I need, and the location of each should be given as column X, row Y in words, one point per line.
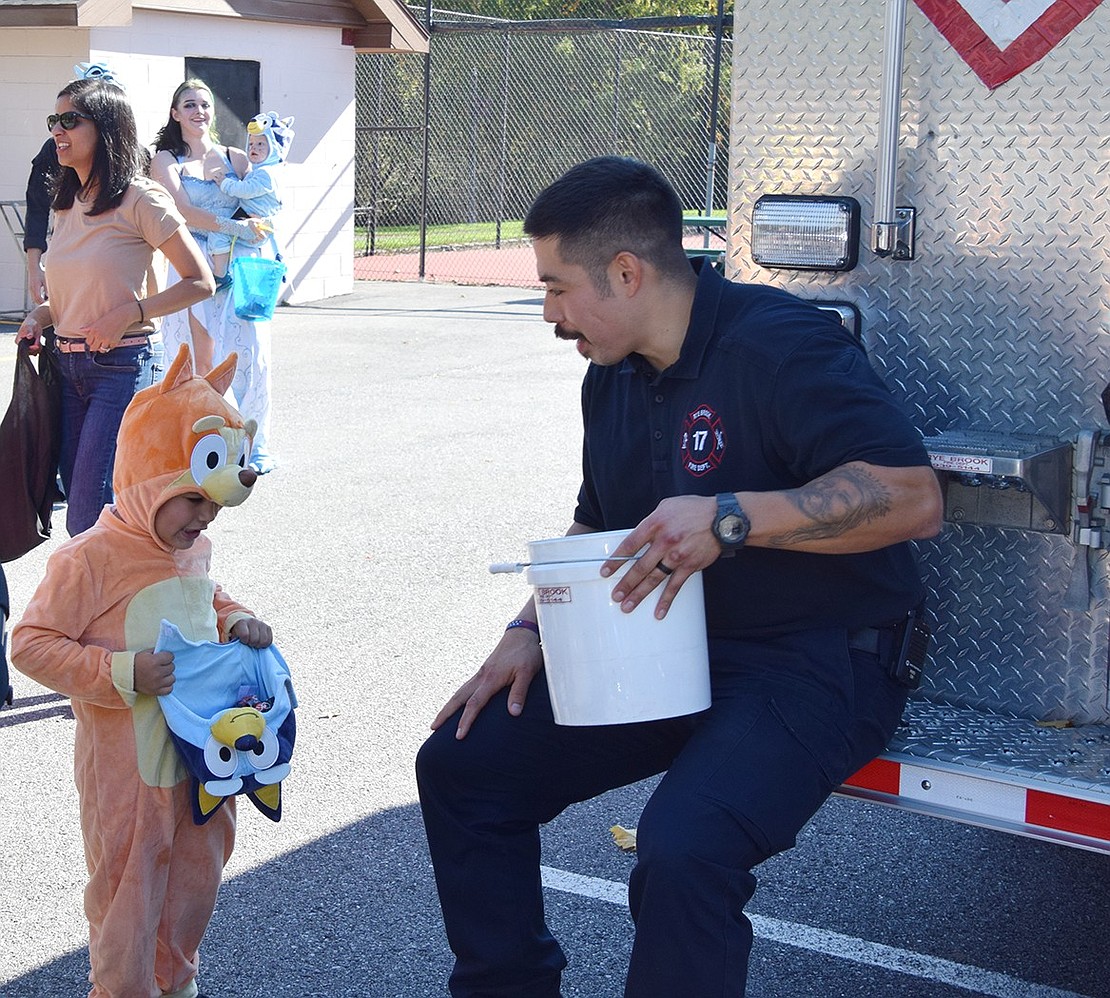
column 256, row 286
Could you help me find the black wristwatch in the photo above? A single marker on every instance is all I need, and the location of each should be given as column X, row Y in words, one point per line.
column 731, row 524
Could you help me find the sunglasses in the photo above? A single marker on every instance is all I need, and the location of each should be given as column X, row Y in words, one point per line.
column 67, row 119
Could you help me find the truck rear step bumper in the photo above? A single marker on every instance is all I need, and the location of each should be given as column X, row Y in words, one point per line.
column 997, row 772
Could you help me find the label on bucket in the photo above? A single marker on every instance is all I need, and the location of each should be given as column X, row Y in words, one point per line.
column 553, row 594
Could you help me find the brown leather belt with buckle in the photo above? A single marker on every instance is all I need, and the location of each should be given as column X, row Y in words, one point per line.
column 67, row 344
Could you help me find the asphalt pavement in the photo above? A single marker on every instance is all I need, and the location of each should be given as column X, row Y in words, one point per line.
column 425, row 432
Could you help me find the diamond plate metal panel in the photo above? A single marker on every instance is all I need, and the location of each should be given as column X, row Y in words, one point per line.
column 1032, row 755
column 1000, row 323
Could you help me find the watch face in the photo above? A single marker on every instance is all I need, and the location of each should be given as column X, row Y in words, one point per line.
column 731, row 527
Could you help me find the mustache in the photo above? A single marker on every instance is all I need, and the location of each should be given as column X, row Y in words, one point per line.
column 562, row 333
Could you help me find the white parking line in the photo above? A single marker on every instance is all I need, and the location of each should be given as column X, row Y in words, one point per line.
column 930, row 968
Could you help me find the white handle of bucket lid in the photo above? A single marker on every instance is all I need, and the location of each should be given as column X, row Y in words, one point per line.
column 506, row 567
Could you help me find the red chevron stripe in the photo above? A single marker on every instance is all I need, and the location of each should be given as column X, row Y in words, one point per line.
column 995, row 66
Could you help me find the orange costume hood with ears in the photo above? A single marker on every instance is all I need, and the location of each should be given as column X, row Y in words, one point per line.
column 181, row 436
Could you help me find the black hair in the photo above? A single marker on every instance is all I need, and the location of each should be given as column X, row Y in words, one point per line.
column 608, row 205
column 169, row 137
column 118, row 158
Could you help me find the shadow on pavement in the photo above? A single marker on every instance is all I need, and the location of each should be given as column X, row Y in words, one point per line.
column 24, row 709
column 353, row 913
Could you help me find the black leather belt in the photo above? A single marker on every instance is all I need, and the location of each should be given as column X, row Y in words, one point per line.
column 72, row 344
column 870, row 639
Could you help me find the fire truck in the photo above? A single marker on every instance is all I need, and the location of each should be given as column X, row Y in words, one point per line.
column 937, row 173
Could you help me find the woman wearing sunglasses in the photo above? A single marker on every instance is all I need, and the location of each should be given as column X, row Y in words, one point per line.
column 103, row 293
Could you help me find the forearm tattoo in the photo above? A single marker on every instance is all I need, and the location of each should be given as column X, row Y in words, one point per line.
column 836, row 503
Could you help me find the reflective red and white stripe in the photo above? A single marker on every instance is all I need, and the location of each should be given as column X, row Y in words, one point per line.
column 993, row 803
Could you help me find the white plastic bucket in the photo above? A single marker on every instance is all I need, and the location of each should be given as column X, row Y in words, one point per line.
column 609, row 667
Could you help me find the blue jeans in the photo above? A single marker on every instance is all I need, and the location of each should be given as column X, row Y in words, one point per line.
column 96, row 389
column 791, row 718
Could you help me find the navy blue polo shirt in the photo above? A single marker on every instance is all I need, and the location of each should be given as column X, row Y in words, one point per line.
column 768, row 393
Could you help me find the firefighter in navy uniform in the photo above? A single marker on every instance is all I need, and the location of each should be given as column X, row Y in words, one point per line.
column 743, row 433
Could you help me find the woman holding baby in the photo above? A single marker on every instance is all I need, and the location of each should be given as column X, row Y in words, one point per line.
column 190, row 165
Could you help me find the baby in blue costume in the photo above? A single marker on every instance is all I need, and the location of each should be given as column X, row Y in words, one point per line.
column 268, row 140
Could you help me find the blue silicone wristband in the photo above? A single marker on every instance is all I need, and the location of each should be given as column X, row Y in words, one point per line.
column 530, row 625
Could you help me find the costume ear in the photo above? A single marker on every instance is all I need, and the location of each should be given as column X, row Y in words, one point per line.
column 204, row 804
column 267, row 800
column 180, row 370
column 221, row 375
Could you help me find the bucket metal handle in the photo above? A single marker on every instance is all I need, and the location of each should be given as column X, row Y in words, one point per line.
column 507, row 567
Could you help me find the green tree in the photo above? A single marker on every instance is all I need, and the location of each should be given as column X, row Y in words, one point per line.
column 512, row 108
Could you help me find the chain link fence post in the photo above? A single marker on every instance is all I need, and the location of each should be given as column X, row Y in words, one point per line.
column 503, row 108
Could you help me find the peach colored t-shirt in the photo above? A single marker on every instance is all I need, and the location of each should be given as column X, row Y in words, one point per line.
column 96, row 262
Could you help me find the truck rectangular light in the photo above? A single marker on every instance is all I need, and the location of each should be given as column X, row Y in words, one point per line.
column 805, row 232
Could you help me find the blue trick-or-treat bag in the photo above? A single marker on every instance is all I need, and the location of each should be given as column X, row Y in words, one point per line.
column 256, row 286
column 231, row 717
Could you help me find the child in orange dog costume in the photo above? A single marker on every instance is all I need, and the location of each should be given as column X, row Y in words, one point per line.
column 89, row 633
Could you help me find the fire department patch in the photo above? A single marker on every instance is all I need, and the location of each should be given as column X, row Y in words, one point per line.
column 703, row 440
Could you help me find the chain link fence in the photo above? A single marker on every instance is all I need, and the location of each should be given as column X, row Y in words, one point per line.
column 510, row 106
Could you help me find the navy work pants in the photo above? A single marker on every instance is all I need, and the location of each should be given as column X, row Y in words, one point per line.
column 791, row 719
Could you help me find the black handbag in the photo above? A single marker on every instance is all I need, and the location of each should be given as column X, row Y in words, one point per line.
column 30, row 441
